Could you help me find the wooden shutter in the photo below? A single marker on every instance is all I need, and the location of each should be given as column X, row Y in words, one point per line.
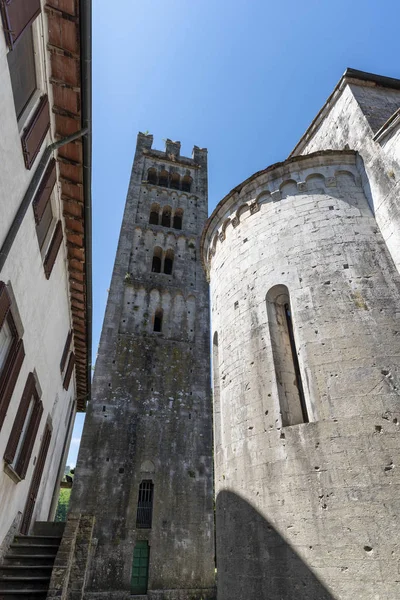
column 5, row 302
column 69, row 370
column 20, row 419
column 17, row 16
column 10, row 379
column 53, row 250
column 35, row 132
column 43, row 194
column 65, row 351
column 26, row 450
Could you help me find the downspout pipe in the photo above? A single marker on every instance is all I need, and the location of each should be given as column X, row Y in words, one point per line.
column 30, row 192
column 85, row 12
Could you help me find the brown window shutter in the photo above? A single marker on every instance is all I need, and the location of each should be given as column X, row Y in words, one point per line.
column 10, row 379
column 69, row 370
column 45, row 188
column 53, row 250
column 35, row 132
column 5, row 302
column 17, row 16
column 19, row 419
column 23, row 460
column 65, row 351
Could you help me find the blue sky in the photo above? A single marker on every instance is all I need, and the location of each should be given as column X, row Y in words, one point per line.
column 243, row 78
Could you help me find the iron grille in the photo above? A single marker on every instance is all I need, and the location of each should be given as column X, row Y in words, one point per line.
column 145, row 505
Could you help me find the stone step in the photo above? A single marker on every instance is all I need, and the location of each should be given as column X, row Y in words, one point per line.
column 34, row 540
column 48, row 528
column 24, row 583
column 26, row 594
column 32, row 549
column 34, row 570
column 28, row 559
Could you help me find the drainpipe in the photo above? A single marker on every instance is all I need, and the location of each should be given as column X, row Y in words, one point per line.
column 30, row 192
column 85, row 15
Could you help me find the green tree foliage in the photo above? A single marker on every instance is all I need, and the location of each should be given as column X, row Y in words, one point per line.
column 63, row 499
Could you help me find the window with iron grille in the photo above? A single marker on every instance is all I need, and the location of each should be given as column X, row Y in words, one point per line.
column 145, row 505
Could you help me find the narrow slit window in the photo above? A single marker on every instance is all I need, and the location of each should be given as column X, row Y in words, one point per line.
column 186, row 183
column 175, row 181
column 158, row 319
column 152, row 176
column 177, row 221
column 156, row 263
column 154, row 214
column 163, row 178
column 292, row 399
column 166, row 217
column 168, row 262
column 145, row 505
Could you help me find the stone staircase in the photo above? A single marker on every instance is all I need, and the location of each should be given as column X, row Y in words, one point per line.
column 26, row 570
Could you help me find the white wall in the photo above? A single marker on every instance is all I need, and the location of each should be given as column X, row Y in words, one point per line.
column 43, row 306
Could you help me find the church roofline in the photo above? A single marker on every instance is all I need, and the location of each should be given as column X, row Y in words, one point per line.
column 349, row 76
column 307, row 160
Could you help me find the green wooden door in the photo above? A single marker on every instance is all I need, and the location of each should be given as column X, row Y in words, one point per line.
column 140, row 568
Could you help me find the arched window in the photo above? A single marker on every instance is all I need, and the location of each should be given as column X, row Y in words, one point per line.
column 186, row 183
column 168, row 262
column 156, row 264
column 158, row 319
column 216, row 394
column 145, row 505
column 287, row 369
column 154, row 214
column 152, row 176
column 178, row 216
column 174, row 181
column 166, row 217
column 163, row 178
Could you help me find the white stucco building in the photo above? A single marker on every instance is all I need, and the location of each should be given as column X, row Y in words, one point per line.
column 45, row 159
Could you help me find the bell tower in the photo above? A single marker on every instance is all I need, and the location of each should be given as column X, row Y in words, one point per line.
column 145, row 464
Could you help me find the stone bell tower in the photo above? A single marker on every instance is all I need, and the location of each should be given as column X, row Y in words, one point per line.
column 145, row 464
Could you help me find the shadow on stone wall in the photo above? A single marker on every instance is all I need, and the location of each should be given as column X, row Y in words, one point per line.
column 254, row 562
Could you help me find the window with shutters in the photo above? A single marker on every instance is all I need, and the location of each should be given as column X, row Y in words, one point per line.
column 21, row 64
column 23, row 434
column 44, row 208
column 145, row 505
column 27, row 77
column 11, row 351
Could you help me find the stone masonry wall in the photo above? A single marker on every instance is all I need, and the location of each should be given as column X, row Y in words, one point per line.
column 309, row 511
column 151, row 417
column 352, row 122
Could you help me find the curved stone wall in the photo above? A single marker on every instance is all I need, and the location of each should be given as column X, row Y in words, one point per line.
column 309, row 510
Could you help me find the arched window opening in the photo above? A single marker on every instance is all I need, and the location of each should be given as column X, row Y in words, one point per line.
column 157, row 257
column 287, row 369
column 154, row 214
column 166, row 217
column 158, row 318
column 178, row 216
column 216, row 393
column 152, row 176
column 145, row 505
column 163, row 178
column 175, row 181
column 168, row 262
column 186, row 183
